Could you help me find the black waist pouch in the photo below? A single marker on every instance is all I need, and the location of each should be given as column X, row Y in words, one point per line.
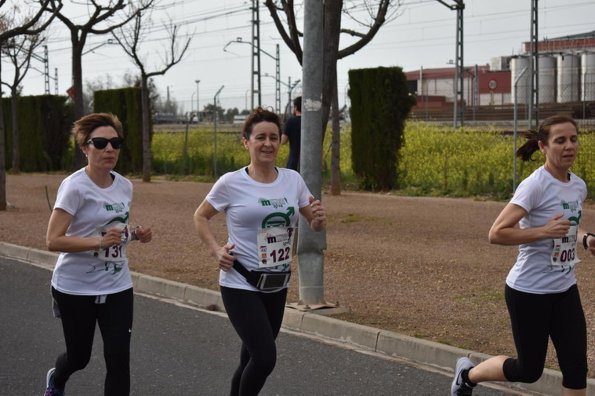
column 263, row 280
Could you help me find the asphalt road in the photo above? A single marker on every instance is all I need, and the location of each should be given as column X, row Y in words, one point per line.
column 179, row 350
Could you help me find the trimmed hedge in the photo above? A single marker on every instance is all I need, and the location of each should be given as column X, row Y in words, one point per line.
column 44, row 132
column 380, row 103
column 126, row 104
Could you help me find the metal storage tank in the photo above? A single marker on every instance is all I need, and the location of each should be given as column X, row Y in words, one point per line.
column 588, row 76
column 517, row 64
column 568, row 78
column 547, row 79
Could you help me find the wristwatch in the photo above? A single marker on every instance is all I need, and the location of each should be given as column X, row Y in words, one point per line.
column 585, row 239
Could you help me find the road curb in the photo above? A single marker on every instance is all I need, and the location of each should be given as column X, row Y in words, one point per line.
column 351, row 334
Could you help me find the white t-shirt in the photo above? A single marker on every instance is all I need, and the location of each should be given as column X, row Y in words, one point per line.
column 94, row 210
column 251, row 206
column 543, row 196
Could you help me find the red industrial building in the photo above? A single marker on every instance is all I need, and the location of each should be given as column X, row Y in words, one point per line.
column 566, row 78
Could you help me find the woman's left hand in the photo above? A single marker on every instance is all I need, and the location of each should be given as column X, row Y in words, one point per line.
column 144, row 234
column 592, row 246
column 318, row 221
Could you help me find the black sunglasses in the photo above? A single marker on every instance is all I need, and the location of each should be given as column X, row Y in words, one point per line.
column 101, row 143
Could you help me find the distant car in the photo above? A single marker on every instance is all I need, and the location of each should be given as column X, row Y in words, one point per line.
column 239, row 119
column 164, row 118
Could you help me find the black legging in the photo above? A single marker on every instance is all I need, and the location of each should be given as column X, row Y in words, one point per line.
column 257, row 319
column 535, row 318
column 114, row 317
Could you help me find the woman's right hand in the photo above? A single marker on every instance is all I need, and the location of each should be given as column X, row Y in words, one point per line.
column 557, row 227
column 225, row 257
column 112, row 237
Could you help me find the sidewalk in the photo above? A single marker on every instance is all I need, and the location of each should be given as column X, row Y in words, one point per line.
column 418, row 351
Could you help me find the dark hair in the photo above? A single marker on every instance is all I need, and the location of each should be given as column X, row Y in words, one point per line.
column 85, row 125
column 297, row 103
column 525, row 152
column 260, row 115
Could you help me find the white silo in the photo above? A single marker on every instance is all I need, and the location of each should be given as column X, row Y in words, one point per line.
column 547, row 79
column 568, row 78
column 517, row 64
column 588, row 76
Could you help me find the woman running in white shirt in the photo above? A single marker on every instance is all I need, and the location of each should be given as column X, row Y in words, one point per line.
column 541, row 292
column 262, row 204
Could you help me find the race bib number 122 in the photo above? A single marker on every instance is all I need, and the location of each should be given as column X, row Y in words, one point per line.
column 275, row 246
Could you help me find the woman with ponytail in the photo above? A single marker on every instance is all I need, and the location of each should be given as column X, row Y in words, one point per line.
column 544, row 219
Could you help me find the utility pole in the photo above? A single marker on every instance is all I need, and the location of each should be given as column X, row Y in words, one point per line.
column 276, row 58
column 197, row 106
column 46, row 67
column 459, row 99
column 215, row 118
column 56, row 81
column 311, row 244
column 255, row 85
column 534, row 66
column 277, row 80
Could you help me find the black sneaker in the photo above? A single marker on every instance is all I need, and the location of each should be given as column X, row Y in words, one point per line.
column 51, row 389
column 459, row 387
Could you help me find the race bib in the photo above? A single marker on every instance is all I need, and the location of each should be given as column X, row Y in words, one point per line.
column 564, row 251
column 275, row 246
column 114, row 253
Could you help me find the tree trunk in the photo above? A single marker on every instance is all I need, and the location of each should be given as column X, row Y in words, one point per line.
column 332, row 28
column 16, row 150
column 77, row 84
column 146, row 112
column 2, row 148
column 336, row 146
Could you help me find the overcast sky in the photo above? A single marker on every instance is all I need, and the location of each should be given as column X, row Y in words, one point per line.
column 422, row 35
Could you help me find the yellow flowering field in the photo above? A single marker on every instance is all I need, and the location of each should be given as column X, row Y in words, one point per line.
column 435, row 160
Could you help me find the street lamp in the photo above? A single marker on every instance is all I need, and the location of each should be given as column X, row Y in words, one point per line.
column 287, row 85
column 197, row 107
column 108, row 41
column 277, row 59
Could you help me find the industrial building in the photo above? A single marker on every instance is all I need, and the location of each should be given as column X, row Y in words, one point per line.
column 566, row 82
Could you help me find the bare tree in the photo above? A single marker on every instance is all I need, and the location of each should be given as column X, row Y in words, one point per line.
column 130, row 39
column 97, row 23
column 11, row 26
column 19, row 52
column 365, row 14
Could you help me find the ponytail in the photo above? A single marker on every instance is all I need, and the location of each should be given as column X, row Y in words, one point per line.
column 525, row 152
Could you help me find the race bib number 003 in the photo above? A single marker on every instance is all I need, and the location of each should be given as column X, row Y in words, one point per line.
column 564, row 251
column 275, row 246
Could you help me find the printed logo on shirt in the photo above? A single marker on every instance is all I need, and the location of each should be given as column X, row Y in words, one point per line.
column 278, row 219
column 118, row 219
column 107, row 266
column 573, row 207
column 117, row 207
column 275, row 203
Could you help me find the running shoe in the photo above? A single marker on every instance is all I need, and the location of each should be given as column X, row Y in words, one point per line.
column 459, row 387
column 51, row 389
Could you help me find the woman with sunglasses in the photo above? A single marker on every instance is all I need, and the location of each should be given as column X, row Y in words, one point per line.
column 262, row 204
column 91, row 282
